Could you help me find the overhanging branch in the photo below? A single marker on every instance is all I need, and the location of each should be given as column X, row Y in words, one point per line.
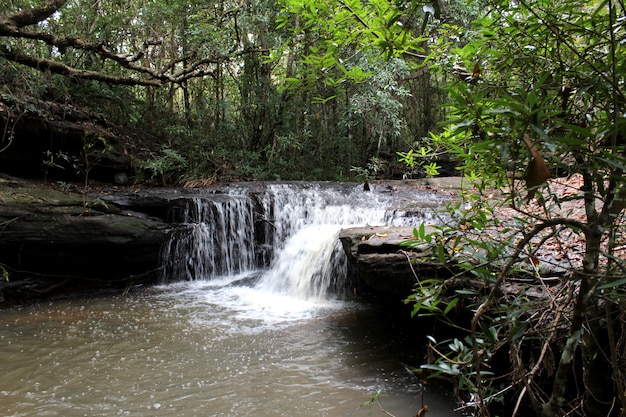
column 15, row 25
column 60, row 68
column 31, row 16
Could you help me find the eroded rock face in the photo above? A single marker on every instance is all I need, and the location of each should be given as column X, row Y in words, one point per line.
column 54, row 241
column 51, row 139
column 385, row 267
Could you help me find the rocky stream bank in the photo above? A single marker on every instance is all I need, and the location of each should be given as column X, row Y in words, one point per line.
column 57, row 241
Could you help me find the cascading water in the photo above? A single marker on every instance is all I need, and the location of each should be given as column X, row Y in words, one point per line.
column 307, row 265
column 219, row 239
column 291, row 227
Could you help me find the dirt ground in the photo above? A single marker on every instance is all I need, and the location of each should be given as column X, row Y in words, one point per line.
column 557, row 250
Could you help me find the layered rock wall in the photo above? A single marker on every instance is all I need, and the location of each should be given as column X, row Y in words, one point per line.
column 54, row 241
column 383, row 266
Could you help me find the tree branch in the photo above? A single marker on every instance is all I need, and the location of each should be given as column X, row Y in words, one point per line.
column 12, row 26
column 484, row 307
column 31, row 16
column 556, row 31
column 60, row 68
column 615, row 203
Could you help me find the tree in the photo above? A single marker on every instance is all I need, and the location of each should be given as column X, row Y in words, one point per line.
column 143, row 58
column 283, row 82
column 541, row 85
column 350, row 62
column 167, row 68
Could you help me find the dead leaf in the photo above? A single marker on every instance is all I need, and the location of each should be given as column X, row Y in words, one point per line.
column 537, row 172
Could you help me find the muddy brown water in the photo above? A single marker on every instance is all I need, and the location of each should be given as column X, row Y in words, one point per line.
column 205, row 349
column 280, row 345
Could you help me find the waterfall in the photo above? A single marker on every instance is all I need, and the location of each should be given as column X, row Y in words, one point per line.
column 306, row 220
column 288, row 231
column 218, row 239
column 311, row 262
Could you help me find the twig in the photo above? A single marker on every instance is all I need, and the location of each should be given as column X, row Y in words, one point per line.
column 448, row 359
column 6, row 223
column 475, row 403
column 482, row 309
column 408, row 258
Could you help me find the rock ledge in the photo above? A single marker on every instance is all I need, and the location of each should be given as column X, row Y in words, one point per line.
column 382, row 265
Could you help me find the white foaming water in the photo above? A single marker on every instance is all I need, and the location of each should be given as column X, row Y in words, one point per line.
column 234, row 308
column 294, row 207
column 304, row 267
column 219, row 242
column 298, row 230
column 307, row 221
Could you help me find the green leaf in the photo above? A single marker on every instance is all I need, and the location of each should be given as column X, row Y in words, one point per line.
column 322, row 100
column 450, row 305
column 518, row 331
column 612, row 284
column 443, row 367
column 441, row 253
column 466, row 292
column 508, row 112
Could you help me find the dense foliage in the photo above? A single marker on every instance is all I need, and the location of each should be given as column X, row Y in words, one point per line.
column 236, row 89
column 544, row 95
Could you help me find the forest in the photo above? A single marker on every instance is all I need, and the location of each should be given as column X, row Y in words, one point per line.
column 525, row 97
column 252, row 90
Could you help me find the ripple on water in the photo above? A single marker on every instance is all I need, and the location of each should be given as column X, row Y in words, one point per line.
column 198, row 349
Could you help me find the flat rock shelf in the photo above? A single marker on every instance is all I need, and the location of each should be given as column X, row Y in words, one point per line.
column 376, row 256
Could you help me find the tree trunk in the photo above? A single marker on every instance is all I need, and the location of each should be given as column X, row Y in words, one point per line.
column 600, row 395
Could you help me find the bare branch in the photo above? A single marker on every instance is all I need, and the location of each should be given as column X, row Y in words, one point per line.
column 60, row 68
column 484, row 307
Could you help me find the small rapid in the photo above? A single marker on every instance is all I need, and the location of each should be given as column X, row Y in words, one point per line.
column 284, row 235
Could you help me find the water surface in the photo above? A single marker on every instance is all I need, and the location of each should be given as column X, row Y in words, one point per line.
column 282, row 345
column 204, row 349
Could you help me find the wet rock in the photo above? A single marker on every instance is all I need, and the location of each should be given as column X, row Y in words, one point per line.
column 382, row 265
column 120, row 178
column 54, row 242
